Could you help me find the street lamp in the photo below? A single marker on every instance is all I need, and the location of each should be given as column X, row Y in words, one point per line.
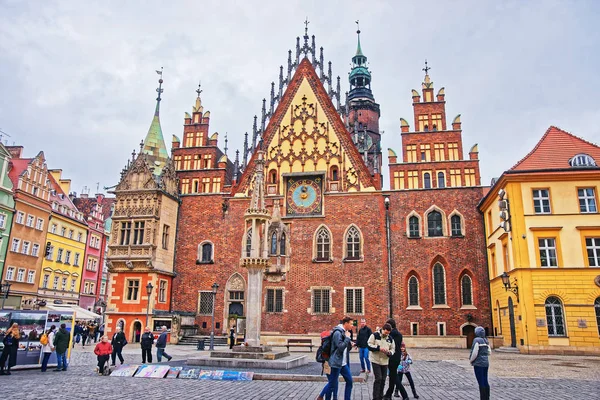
column 507, row 285
column 215, row 286
column 149, row 288
column 5, row 290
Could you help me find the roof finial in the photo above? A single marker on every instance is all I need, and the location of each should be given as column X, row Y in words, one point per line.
column 226, row 143
column 357, row 27
column 199, row 90
column 306, row 22
column 426, row 69
column 160, row 81
column 141, row 146
column 358, row 48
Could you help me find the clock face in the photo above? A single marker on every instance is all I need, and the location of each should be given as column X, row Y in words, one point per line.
column 304, row 195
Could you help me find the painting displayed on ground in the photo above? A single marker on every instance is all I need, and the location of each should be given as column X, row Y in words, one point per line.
column 32, row 325
column 125, row 371
column 152, row 371
column 174, row 372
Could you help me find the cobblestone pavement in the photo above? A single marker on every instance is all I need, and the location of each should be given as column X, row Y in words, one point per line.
column 438, row 374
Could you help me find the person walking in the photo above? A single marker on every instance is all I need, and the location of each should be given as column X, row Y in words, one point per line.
column 382, row 347
column 479, row 358
column 61, row 344
column 11, row 345
column 100, row 330
column 103, row 350
column 394, row 362
column 77, row 330
column 146, row 342
column 48, row 348
column 231, row 338
column 161, row 344
column 364, row 333
column 92, row 331
column 84, row 333
column 404, row 369
column 339, row 360
column 118, row 342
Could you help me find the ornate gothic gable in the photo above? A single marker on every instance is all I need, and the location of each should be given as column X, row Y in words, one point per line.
column 138, row 176
column 168, row 179
column 306, row 134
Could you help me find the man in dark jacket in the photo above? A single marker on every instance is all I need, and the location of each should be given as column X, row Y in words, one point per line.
column 61, row 345
column 339, row 360
column 364, row 333
column 161, row 344
column 118, row 342
column 146, row 342
column 394, row 362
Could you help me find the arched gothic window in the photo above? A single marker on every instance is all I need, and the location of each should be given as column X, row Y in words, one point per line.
column 323, row 245
column 334, row 173
column 439, row 285
column 413, row 291
column 414, row 230
column 427, row 180
column 456, row 225
column 249, row 243
column 282, row 245
column 434, row 224
column 353, row 244
column 441, row 180
column 274, row 243
column 555, row 317
column 466, row 286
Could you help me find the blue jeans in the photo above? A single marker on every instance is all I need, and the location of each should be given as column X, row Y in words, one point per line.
column 61, row 360
column 45, row 359
column 334, row 377
column 363, row 354
column 160, row 352
column 481, row 373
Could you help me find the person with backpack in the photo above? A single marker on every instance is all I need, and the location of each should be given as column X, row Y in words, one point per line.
column 382, row 347
column 364, row 333
column 118, row 342
column 47, row 341
column 338, row 358
column 479, row 358
column 146, row 342
column 61, row 343
column 9, row 352
column 394, row 362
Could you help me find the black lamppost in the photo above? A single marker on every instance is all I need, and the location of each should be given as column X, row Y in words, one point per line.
column 215, row 286
column 507, row 285
column 5, row 290
column 149, row 288
column 386, row 202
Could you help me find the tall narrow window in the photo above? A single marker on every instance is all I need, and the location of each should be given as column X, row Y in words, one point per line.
column 441, row 180
column 282, row 245
column 162, row 291
column 165, row 237
column 207, row 252
column 354, row 301
column 555, row 317
column 274, row 243
column 597, row 310
column 138, row 232
column 456, row 223
column 592, row 245
column 320, row 301
column 427, row 180
column 323, row 245
column 125, row 233
column 413, row 291
column 274, row 300
column 547, row 248
column 413, row 227
column 249, row 243
column 587, row 200
column 541, row 201
column 133, row 289
column 434, row 224
column 353, row 244
column 439, row 285
column 467, row 290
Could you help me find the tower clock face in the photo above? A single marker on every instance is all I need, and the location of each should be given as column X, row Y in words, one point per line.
column 304, row 195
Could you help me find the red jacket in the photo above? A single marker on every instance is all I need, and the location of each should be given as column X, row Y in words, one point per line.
column 103, row 349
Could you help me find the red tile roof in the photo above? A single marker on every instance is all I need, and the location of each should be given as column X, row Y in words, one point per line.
column 63, row 199
column 18, row 165
column 554, row 150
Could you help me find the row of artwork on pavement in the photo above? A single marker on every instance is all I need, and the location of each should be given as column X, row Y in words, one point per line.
column 32, row 324
column 165, row 371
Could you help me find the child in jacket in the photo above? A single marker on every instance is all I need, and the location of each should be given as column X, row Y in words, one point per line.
column 404, row 369
column 103, row 350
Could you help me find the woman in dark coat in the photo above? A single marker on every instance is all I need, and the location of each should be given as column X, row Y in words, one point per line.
column 11, row 344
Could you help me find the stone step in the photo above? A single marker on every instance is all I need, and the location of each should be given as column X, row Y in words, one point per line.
column 507, row 349
column 288, row 362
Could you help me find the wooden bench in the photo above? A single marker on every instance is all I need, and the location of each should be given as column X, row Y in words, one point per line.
column 299, row 343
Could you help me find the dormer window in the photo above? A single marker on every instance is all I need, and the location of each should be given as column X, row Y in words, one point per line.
column 582, row 160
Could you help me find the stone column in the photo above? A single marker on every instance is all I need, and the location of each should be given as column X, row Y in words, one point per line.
column 254, row 304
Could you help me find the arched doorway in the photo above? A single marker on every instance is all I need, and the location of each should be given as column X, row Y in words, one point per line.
column 235, row 295
column 137, row 332
column 511, row 318
column 469, row 332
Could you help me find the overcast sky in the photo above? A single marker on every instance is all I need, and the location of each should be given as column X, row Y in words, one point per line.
column 78, row 78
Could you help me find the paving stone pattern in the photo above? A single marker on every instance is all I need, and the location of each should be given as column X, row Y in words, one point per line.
column 437, row 379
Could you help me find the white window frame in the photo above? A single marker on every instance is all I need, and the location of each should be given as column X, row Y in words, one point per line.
column 354, row 291
column 53, row 228
column 2, row 220
column 26, row 247
column 45, row 281
column 21, row 275
column 541, row 199
column 35, row 250
column 39, row 224
column 594, row 248
column 15, row 245
column 547, row 248
column 31, row 276
column 20, row 217
column 10, row 273
column 412, row 325
column 55, row 283
column 30, row 221
column 588, row 200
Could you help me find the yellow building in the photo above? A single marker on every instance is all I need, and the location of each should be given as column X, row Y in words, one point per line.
column 65, row 246
column 543, row 234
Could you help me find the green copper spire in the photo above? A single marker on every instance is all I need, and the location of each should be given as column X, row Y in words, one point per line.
column 154, row 144
column 358, row 49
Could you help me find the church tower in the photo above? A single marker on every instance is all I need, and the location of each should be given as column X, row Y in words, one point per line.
column 142, row 243
column 362, row 119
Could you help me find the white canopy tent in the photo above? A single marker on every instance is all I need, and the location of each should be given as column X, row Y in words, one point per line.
column 80, row 313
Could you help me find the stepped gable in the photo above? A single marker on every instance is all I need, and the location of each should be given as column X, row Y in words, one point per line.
column 554, row 150
column 306, row 71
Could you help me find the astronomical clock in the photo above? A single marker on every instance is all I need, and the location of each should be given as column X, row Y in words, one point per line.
column 304, row 195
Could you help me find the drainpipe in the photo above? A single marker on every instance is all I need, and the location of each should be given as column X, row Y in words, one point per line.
column 386, row 201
